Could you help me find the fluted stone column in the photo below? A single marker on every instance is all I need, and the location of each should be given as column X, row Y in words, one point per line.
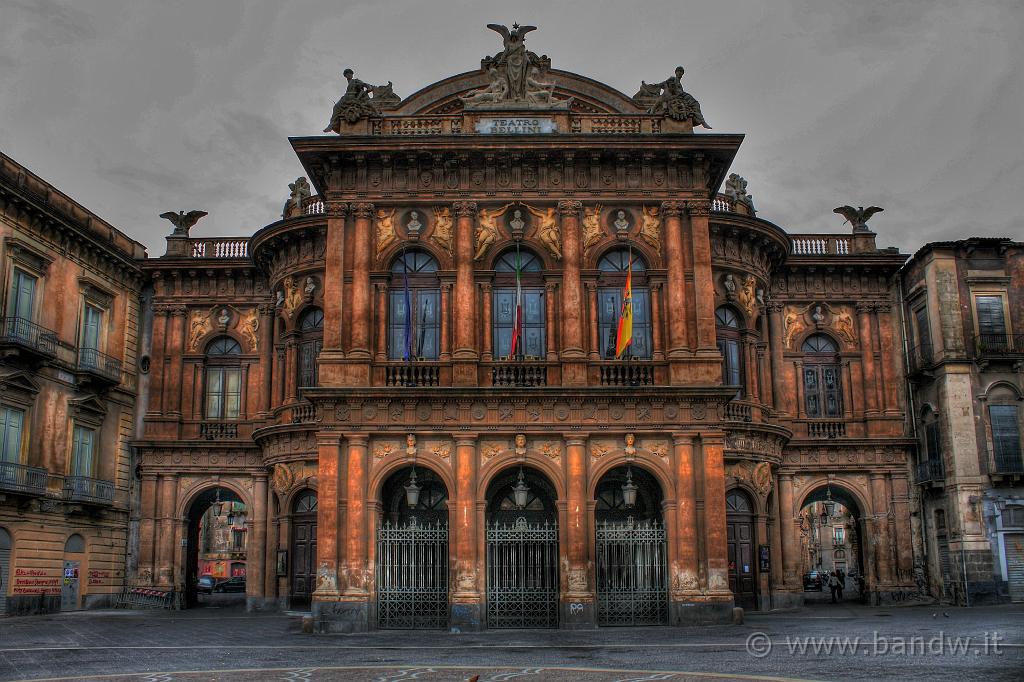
column 579, row 581
column 867, row 358
column 677, row 304
column 329, row 372
column 464, row 310
column 684, row 574
column 467, row 600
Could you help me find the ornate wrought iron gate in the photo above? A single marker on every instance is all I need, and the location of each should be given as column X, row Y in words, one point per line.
column 632, row 578
column 522, row 575
column 412, row 576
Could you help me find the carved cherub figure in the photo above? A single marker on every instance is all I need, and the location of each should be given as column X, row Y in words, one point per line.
column 385, row 229
column 442, row 235
column 487, row 229
column 650, row 227
column 547, row 229
column 591, row 226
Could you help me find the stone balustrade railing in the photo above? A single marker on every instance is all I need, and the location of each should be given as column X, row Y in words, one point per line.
column 220, row 247
column 820, row 245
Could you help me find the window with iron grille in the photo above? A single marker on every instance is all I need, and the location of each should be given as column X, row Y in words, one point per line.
column 991, row 321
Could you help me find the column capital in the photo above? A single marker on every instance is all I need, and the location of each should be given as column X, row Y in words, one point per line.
column 336, row 209
column 464, row 209
column 698, row 207
column 683, row 438
column 864, row 307
column 358, row 439
column 569, row 207
column 465, row 439
column 672, row 209
column 328, row 438
column 363, row 209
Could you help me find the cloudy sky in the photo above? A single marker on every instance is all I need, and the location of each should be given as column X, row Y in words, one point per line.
column 138, row 107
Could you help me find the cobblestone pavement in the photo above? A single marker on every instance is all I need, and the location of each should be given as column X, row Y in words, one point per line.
column 861, row 643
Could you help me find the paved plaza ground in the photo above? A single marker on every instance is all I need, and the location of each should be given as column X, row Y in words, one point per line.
column 225, row 643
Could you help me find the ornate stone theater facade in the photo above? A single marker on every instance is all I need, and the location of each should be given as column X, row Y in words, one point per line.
column 347, row 372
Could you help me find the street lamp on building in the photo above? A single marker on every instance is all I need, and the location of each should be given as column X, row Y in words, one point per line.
column 412, row 491
column 629, row 489
column 520, row 490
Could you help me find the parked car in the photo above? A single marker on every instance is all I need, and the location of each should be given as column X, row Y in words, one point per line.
column 812, row 581
column 205, row 584
column 236, row 584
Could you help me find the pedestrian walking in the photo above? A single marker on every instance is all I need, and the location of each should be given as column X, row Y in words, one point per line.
column 841, row 575
column 833, row 586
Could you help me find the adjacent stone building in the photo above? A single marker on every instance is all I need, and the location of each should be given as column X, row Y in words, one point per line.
column 68, row 383
column 411, row 380
column 964, row 304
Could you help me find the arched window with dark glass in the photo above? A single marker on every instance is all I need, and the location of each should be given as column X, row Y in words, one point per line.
column 823, row 395
column 223, row 379
column 414, row 313
column 531, row 281
column 614, row 267
column 311, row 339
column 727, row 331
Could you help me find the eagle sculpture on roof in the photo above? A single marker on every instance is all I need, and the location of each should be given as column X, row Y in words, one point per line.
column 182, row 221
column 858, row 217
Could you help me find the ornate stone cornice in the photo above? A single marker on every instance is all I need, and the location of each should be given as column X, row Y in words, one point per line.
column 570, row 207
column 672, row 209
column 362, row 210
column 464, row 209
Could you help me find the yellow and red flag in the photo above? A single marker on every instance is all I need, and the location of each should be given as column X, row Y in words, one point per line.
column 625, row 334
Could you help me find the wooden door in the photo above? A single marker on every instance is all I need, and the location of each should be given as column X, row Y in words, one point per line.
column 741, row 543
column 303, row 551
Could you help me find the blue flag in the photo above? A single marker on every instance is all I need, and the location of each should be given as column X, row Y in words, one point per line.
column 407, row 348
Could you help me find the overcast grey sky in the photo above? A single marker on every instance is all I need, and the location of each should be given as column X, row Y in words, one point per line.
column 138, row 107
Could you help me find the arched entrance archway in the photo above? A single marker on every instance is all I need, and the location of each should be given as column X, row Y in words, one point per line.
column 630, row 549
column 303, row 550
column 412, row 551
column 216, row 540
column 522, row 550
column 831, row 541
column 741, row 536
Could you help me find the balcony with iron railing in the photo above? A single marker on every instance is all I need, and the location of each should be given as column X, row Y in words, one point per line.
column 97, row 365
column 20, row 334
column 86, row 490
column 999, row 345
column 930, row 471
column 22, row 480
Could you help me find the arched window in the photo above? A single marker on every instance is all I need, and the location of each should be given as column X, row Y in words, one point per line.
column 414, row 315
column 305, row 503
column 223, row 379
column 727, row 328
column 311, row 329
column 823, row 395
column 614, row 267
column 1004, row 420
column 531, row 284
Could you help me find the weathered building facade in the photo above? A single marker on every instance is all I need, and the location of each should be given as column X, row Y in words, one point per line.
column 964, row 304
column 411, row 379
column 68, row 381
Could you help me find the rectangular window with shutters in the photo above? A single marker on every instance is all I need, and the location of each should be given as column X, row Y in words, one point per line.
column 92, row 325
column 23, row 295
column 991, row 323
column 1006, row 438
column 83, row 444
column 223, row 392
column 12, row 426
column 933, row 438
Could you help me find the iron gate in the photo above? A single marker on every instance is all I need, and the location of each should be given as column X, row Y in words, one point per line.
column 632, row 585
column 412, row 576
column 522, row 575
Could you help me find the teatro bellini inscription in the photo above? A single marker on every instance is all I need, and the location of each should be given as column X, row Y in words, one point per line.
column 516, row 126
